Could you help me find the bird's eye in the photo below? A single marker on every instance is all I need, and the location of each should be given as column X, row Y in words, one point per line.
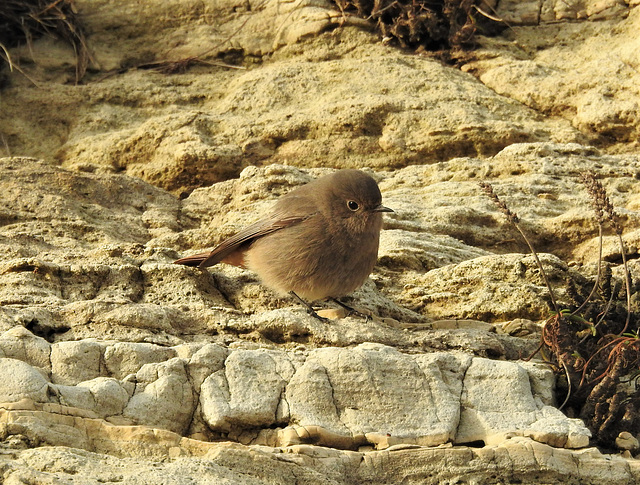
column 353, row 205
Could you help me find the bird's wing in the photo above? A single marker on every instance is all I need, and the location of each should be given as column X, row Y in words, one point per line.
column 274, row 222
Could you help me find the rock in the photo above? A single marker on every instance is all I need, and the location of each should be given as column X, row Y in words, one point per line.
column 477, row 288
column 190, row 122
column 247, row 393
column 546, row 74
column 125, row 358
column 19, row 343
column 626, row 441
column 534, row 13
column 163, row 397
column 375, row 394
column 21, row 381
column 368, row 109
column 497, row 397
column 355, row 392
column 109, row 396
column 206, row 361
column 514, row 459
column 145, row 316
column 75, row 396
column 76, row 361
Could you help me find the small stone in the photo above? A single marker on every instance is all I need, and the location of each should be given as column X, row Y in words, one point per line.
column 626, row 441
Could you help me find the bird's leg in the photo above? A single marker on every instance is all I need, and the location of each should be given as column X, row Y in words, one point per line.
column 309, row 308
column 350, row 310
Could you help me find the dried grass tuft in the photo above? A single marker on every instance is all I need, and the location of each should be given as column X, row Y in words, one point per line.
column 432, row 26
column 23, row 21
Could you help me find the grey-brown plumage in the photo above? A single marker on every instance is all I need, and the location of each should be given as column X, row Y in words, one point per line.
column 320, row 240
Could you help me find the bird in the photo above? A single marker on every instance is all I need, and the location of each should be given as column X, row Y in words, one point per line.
column 319, row 241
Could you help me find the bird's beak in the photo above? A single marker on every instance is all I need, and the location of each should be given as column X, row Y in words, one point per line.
column 381, row 208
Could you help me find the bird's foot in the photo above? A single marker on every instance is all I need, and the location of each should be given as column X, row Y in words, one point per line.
column 309, row 308
column 352, row 311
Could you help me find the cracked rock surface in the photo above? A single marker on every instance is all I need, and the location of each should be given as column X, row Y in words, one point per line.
column 118, row 365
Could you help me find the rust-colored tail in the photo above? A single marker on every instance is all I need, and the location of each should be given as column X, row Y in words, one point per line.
column 193, row 260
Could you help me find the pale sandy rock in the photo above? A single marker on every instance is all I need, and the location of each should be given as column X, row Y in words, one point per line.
column 87, row 252
column 248, row 392
column 418, row 251
column 488, row 288
column 518, row 12
column 498, row 398
column 538, row 181
column 76, row 361
column 33, row 319
column 206, row 361
column 566, row 69
column 170, row 284
column 541, row 380
column 109, row 395
column 291, row 326
column 535, row 12
column 46, row 428
column 626, row 441
column 125, row 358
column 373, row 388
column 75, row 397
column 187, row 350
column 139, row 316
column 517, row 459
column 55, row 209
column 342, row 99
column 374, row 394
column 179, row 29
column 553, row 427
column 20, row 381
column 19, row 343
column 163, row 396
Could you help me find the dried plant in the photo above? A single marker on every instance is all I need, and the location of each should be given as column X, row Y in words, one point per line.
column 603, row 209
column 596, row 362
column 432, row 25
column 22, row 21
column 515, row 221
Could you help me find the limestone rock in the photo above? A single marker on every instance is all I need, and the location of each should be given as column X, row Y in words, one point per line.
column 129, row 368
column 19, row 343
column 534, row 12
column 75, row 361
column 21, row 381
column 163, row 397
column 247, row 393
column 109, row 396
column 558, row 74
column 205, row 362
column 375, row 394
column 76, row 397
column 516, row 459
column 477, row 288
column 125, row 358
column 498, row 397
column 376, row 389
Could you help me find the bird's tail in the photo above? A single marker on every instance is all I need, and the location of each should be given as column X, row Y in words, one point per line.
column 193, row 260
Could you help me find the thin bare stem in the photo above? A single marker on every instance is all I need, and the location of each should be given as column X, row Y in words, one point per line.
column 6, row 145
column 513, row 218
column 627, row 283
column 6, row 56
column 566, row 399
column 603, row 207
column 597, row 282
column 542, row 271
column 17, row 68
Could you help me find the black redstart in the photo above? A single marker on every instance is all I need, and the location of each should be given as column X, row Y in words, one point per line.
column 320, row 240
